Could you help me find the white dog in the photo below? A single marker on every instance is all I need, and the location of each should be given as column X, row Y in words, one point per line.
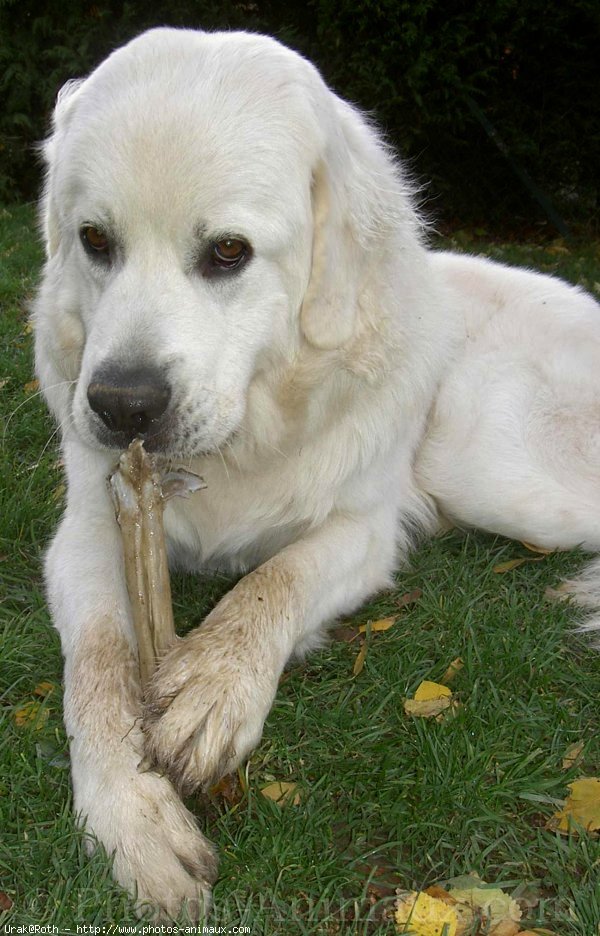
column 235, row 272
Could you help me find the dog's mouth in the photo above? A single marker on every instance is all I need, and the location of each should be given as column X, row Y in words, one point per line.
column 170, row 440
column 158, row 439
column 117, row 406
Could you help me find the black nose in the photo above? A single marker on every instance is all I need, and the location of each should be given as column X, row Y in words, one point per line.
column 129, row 401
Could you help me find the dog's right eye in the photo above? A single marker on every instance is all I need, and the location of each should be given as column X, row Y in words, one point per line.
column 95, row 241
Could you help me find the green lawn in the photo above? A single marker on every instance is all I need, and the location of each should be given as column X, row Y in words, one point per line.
column 386, row 801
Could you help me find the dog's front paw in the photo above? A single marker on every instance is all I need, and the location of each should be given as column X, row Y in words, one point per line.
column 206, row 706
column 159, row 854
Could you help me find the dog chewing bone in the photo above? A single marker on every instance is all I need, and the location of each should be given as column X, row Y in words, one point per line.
column 139, row 494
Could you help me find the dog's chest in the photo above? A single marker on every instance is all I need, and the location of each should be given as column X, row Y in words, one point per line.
column 241, row 519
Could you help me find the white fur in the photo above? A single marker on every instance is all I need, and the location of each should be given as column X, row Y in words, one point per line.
column 347, row 385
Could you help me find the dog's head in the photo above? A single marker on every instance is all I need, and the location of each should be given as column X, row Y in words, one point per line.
column 210, row 208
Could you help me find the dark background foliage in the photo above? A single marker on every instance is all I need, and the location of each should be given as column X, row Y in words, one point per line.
column 457, row 86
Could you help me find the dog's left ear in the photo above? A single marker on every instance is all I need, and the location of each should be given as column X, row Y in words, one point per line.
column 51, row 151
column 362, row 215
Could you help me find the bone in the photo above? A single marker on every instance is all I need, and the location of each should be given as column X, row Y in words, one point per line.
column 139, row 493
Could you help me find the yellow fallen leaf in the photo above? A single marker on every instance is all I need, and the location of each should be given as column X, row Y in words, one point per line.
column 505, row 928
column 422, row 915
column 466, row 919
column 360, row 659
column 465, row 916
column 31, row 386
column 31, row 714
column 537, row 932
column 430, row 700
column 497, row 906
column 582, row 807
column 282, row 791
column 440, row 893
column 59, row 492
column 515, row 563
column 432, row 708
column 454, row 668
column 43, row 689
column 537, row 549
column 381, row 625
column 428, row 690
column 572, row 755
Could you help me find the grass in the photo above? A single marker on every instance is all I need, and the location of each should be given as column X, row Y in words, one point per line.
column 387, row 801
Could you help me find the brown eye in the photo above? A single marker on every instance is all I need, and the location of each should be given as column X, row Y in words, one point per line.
column 229, row 252
column 94, row 240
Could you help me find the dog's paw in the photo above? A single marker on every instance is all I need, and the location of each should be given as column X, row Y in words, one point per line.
column 159, row 854
column 206, row 707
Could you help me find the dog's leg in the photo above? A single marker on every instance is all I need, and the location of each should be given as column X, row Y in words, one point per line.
column 211, row 694
column 159, row 853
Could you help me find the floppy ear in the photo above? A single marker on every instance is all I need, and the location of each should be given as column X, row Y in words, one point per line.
column 361, row 210
column 63, row 111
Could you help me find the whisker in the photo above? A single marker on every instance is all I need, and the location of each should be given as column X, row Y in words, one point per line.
column 29, row 399
column 49, row 441
column 233, row 453
column 253, row 436
column 224, row 463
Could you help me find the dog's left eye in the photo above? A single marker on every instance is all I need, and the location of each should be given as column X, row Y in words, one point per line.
column 94, row 240
column 229, row 253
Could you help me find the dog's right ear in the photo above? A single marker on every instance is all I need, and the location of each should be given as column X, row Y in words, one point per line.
column 66, row 103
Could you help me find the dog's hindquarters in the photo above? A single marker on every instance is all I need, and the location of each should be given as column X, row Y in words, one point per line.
column 513, row 444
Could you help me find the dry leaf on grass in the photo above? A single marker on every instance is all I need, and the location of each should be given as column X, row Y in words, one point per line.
column 31, row 386
column 281, row 792
column 5, row 901
column 423, row 915
column 44, row 689
column 431, row 700
column 372, row 627
column 382, row 625
column 409, row 598
column 465, row 906
column 496, row 906
column 31, row 714
column 428, row 691
column 506, row 928
column 511, row 564
column 581, row 808
column 572, row 755
column 360, row 659
column 538, row 932
column 454, row 668
column 228, row 789
column 543, row 550
column 440, row 893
